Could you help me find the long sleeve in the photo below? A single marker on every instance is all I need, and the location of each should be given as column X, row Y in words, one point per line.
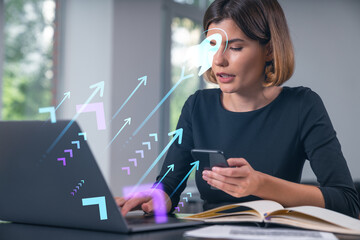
column 323, row 150
column 179, row 155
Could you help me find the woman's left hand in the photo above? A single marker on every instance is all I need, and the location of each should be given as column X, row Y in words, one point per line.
column 239, row 181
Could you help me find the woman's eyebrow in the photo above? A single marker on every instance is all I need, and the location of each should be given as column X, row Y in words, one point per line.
column 236, row 40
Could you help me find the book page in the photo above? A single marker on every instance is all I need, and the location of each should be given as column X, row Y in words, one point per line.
column 255, row 208
column 329, row 216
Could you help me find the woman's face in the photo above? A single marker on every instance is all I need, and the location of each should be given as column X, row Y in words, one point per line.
column 241, row 67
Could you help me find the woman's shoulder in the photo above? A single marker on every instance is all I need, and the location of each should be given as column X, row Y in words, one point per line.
column 204, row 95
column 300, row 93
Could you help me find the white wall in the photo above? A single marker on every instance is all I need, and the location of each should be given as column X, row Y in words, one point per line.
column 326, row 37
column 86, row 58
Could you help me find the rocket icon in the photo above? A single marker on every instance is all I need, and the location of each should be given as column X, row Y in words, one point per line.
column 202, row 55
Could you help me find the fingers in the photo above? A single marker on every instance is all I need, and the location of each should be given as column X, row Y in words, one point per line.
column 222, row 178
column 237, row 162
column 134, row 204
column 148, row 207
column 242, row 171
column 120, row 201
column 229, row 188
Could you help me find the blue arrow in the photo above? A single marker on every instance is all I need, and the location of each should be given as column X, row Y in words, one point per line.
column 127, row 121
column 182, row 78
column 171, row 168
column 196, row 164
column 178, row 134
column 98, row 87
column 67, row 95
column 142, row 80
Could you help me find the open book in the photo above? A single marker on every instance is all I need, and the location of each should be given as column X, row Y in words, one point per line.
column 307, row 217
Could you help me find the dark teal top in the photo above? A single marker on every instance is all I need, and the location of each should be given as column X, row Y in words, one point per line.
column 275, row 139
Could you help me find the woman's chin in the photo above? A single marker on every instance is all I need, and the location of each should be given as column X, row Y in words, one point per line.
column 227, row 89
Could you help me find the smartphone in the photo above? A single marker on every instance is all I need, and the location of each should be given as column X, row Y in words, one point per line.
column 215, row 158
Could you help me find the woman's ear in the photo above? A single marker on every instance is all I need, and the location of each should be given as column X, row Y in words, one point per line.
column 268, row 52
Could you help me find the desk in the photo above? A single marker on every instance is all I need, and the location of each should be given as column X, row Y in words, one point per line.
column 15, row 231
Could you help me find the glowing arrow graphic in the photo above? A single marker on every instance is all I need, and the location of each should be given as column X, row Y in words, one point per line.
column 127, row 169
column 178, row 134
column 97, row 201
column 127, row 121
column 99, row 87
column 171, row 168
column 141, row 153
column 148, row 145
column 63, row 160
column 196, row 165
column 83, row 134
column 98, row 108
column 77, row 144
column 50, row 110
column 142, row 80
column 182, row 78
column 154, row 135
column 67, row 95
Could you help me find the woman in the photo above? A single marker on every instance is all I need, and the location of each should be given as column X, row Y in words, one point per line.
column 268, row 131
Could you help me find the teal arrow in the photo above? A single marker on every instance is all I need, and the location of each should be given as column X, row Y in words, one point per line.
column 171, row 168
column 67, row 95
column 127, row 121
column 99, row 87
column 182, row 78
column 142, row 81
column 196, row 165
column 177, row 134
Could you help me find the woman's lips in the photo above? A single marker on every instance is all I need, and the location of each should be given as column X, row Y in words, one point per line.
column 225, row 77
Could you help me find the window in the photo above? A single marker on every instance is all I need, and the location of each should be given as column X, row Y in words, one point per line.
column 28, row 62
column 185, row 33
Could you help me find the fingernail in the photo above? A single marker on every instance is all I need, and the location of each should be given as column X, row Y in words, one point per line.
column 205, row 177
column 214, row 169
column 205, row 173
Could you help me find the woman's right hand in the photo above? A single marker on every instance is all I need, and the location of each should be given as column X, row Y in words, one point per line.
column 141, row 201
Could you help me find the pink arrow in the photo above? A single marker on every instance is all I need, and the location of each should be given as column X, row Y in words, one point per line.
column 126, row 168
column 75, row 190
column 72, row 193
column 182, row 204
column 178, row 209
column 133, row 160
column 77, row 143
column 69, row 151
column 98, row 108
column 141, row 152
column 62, row 159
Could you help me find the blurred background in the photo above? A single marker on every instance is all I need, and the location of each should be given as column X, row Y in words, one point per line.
column 51, row 47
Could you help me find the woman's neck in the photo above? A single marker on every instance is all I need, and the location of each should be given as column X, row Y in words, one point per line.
column 249, row 100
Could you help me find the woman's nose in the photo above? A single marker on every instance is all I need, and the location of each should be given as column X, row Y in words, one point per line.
column 220, row 58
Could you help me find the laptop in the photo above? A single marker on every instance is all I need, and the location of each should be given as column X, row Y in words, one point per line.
column 48, row 176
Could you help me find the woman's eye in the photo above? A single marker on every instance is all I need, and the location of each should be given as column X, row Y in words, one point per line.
column 236, row 49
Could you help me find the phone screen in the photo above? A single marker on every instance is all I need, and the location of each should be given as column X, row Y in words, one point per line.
column 213, row 157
